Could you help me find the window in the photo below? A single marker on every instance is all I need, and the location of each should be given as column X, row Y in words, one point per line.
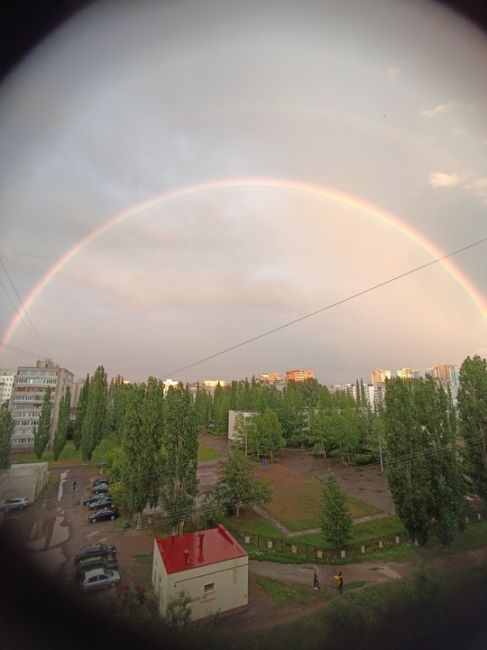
column 209, row 587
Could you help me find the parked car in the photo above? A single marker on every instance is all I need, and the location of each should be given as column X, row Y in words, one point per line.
column 95, row 563
column 99, row 488
column 15, row 503
column 103, row 515
column 104, row 502
column 96, row 550
column 94, row 498
column 99, row 579
column 97, row 481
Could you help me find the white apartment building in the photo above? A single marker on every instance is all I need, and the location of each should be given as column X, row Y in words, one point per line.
column 6, row 384
column 29, row 387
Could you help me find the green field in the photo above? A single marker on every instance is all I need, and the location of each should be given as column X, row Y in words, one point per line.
column 250, row 522
column 362, row 533
column 296, row 498
column 205, row 452
column 289, row 594
column 69, row 453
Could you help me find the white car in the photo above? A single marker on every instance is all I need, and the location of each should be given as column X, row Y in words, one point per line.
column 99, row 578
column 16, row 503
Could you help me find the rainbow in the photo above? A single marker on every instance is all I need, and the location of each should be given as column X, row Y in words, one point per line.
column 269, row 183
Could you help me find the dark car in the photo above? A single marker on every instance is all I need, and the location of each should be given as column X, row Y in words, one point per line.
column 103, row 515
column 99, row 488
column 104, row 502
column 94, row 498
column 97, row 481
column 96, row 550
column 95, row 563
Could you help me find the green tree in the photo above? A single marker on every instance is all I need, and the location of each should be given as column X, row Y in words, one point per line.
column 472, row 408
column 269, row 431
column 407, row 468
column 62, row 424
column 43, row 430
column 6, row 431
column 238, row 485
column 143, row 432
column 180, row 485
column 178, row 610
column 81, row 412
column 336, row 520
column 94, row 422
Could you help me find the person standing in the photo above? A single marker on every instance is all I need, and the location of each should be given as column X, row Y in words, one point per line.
column 340, row 582
column 75, row 483
column 316, row 582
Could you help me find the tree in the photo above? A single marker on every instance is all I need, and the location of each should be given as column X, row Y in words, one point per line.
column 178, row 610
column 407, row 467
column 6, row 431
column 143, row 432
column 62, row 424
column 179, row 484
column 336, row 520
column 472, row 407
column 81, row 412
column 239, row 487
column 41, row 435
column 269, row 431
column 94, row 422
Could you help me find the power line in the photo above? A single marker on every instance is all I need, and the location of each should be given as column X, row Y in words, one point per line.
column 328, row 307
column 21, row 304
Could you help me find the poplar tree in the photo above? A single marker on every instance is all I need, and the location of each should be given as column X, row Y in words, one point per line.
column 143, row 432
column 62, row 424
column 336, row 520
column 81, row 412
column 270, row 432
column 94, row 422
column 6, row 431
column 42, row 432
column 407, row 467
column 179, row 483
column 472, row 408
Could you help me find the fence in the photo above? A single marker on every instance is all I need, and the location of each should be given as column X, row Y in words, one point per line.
column 292, row 548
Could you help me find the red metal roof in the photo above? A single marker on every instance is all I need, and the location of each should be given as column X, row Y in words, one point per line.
column 183, row 552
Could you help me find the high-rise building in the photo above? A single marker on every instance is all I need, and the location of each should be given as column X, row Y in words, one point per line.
column 379, row 376
column 269, row 378
column 448, row 375
column 408, row 373
column 29, row 387
column 299, row 375
column 6, row 383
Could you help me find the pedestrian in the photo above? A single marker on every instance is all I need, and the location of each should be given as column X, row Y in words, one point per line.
column 75, row 483
column 340, row 582
column 316, row 582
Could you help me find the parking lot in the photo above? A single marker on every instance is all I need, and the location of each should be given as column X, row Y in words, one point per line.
column 54, row 528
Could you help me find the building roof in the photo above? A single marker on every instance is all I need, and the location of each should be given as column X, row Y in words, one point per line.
column 184, row 552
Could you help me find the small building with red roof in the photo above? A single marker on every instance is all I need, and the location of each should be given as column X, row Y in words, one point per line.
column 210, row 566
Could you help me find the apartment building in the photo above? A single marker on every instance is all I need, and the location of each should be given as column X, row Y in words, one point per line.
column 6, row 383
column 299, row 375
column 29, row 387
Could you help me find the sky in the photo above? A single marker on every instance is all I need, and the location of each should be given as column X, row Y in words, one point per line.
column 228, row 114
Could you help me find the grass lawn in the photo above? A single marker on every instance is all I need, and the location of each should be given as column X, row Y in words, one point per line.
column 250, row 522
column 362, row 533
column 69, row 453
column 296, row 498
column 205, row 452
column 286, row 594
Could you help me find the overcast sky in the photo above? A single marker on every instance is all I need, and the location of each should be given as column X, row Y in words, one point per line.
column 381, row 100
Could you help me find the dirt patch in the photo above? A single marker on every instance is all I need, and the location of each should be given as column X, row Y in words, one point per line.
column 365, row 483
